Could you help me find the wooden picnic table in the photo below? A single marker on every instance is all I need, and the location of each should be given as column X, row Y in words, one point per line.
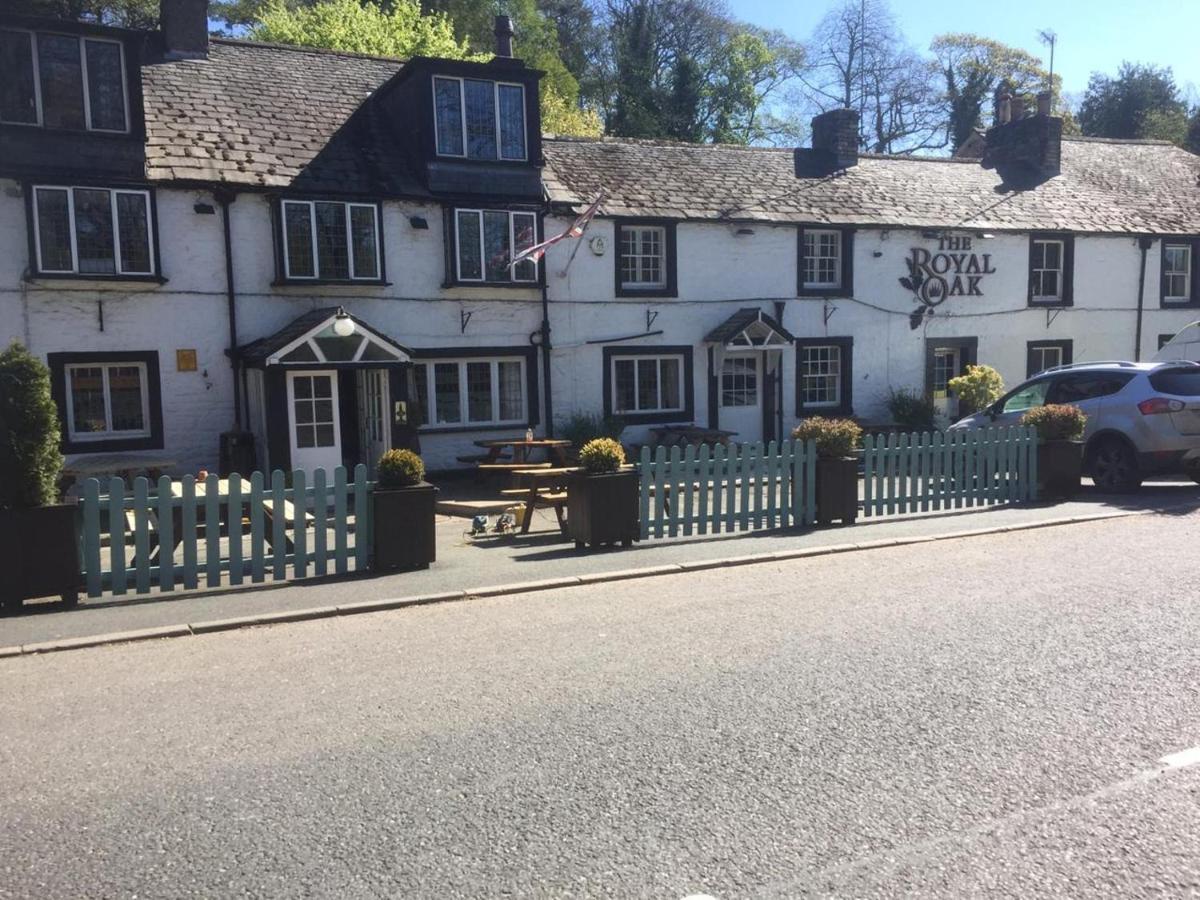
column 120, row 465
column 546, row 488
column 267, row 504
column 556, row 450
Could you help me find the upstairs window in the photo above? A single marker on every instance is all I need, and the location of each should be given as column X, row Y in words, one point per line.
column 645, row 259
column 62, row 81
column 93, row 231
column 486, row 241
column 825, row 261
column 330, row 241
column 1051, row 264
column 479, row 119
column 1179, row 272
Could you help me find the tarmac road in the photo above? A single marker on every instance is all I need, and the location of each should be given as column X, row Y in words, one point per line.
column 981, row 716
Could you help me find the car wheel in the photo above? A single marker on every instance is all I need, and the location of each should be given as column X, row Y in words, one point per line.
column 1115, row 467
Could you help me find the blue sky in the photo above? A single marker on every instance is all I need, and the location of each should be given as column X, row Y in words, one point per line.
column 1093, row 35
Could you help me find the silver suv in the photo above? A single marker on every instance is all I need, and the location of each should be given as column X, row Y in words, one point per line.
column 1142, row 418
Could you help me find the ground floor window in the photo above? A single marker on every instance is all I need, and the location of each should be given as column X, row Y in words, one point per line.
column 647, row 384
column 108, row 400
column 823, row 368
column 479, row 391
column 1043, row 355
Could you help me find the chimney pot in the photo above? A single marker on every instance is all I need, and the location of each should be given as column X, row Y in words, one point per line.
column 504, row 36
column 835, row 134
column 1043, row 103
column 184, row 25
column 1018, row 108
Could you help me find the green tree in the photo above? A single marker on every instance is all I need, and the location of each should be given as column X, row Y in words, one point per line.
column 125, row 13
column 402, row 31
column 974, row 67
column 1192, row 142
column 30, row 461
column 1142, row 101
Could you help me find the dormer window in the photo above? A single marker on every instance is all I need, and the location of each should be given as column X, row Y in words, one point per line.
column 62, row 81
column 478, row 119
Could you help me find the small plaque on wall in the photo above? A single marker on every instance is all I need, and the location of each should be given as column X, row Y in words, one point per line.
column 185, row 360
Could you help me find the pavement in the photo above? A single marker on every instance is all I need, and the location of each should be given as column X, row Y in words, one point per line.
column 997, row 716
column 485, row 565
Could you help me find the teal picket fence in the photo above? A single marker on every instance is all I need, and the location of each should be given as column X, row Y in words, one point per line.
column 177, row 534
column 915, row 473
column 718, row 489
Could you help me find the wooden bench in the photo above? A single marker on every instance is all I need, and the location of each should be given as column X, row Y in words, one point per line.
column 506, row 468
column 480, row 457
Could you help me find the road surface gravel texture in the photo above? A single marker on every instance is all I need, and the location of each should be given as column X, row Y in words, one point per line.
column 972, row 717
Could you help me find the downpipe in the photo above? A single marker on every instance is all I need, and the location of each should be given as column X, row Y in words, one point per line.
column 1144, row 243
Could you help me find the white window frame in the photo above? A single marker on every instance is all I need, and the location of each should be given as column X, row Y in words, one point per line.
column 661, row 283
column 1056, row 349
column 462, row 113
column 657, row 358
column 347, row 206
column 816, row 234
column 512, row 246
column 87, row 100
column 1186, row 273
column 1037, row 271
column 118, row 271
column 805, row 376
column 108, row 434
column 465, row 422
column 738, row 386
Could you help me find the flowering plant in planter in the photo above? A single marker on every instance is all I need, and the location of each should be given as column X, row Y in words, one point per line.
column 1060, row 428
column 1056, row 421
column 837, row 468
column 834, row 438
column 601, row 455
column 403, row 511
column 979, row 388
column 602, row 503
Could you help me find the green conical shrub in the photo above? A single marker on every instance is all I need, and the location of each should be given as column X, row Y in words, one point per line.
column 30, row 460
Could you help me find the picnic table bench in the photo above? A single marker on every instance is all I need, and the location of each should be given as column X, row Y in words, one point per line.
column 547, row 489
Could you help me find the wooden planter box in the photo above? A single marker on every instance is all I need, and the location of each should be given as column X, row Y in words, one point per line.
column 39, row 554
column 603, row 509
column 404, row 536
column 837, row 490
column 1060, row 468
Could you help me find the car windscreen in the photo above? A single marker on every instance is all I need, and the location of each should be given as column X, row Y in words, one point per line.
column 1180, row 382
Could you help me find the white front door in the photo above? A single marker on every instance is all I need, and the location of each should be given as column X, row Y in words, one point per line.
column 946, row 365
column 315, row 430
column 373, row 404
column 740, row 388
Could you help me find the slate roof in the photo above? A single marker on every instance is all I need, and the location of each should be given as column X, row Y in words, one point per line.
column 266, row 115
column 740, row 321
column 1105, row 186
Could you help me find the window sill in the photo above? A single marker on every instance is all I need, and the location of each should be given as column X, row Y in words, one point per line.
column 470, row 429
column 330, row 282
column 1178, row 304
column 819, row 293
column 646, row 292
column 491, row 285
column 1049, row 303
column 110, row 445
column 107, row 279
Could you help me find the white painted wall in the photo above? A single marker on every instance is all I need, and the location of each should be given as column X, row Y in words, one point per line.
column 719, row 272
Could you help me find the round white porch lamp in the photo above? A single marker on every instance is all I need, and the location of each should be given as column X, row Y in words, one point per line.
column 343, row 325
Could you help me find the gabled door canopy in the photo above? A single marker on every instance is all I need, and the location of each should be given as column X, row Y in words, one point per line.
column 329, row 336
column 750, row 329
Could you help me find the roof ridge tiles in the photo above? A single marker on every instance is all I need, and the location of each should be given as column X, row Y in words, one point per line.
column 297, row 48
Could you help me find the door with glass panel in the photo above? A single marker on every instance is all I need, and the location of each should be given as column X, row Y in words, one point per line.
column 316, row 436
column 947, row 364
column 373, row 426
column 741, row 396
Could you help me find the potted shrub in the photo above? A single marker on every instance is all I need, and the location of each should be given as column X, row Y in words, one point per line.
column 602, row 499
column 39, row 537
column 1060, row 447
column 837, row 466
column 978, row 388
column 402, row 504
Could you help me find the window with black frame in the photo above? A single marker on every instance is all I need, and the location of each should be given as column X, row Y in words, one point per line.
column 62, row 81
column 329, row 240
column 485, row 241
column 479, row 119
column 93, row 231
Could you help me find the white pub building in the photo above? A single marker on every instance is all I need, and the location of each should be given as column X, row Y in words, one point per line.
column 307, row 252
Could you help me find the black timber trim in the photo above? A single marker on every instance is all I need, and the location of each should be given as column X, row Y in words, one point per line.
column 1177, row 241
column 846, row 288
column 532, row 399
column 714, row 411
column 1067, row 346
column 671, row 261
column 450, row 230
column 687, row 414
column 1068, row 268
column 846, row 406
column 58, row 363
column 282, row 279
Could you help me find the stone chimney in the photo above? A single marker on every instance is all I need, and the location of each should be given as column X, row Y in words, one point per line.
column 504, row 36
column 835, row 135
column 184, row 25
column 1025, row 150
